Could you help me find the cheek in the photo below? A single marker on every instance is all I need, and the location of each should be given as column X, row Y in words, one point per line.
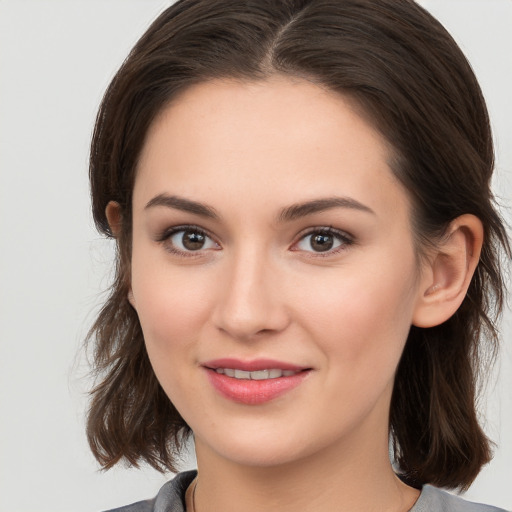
column 172, row 305
column 362, row 319
column 173, row 312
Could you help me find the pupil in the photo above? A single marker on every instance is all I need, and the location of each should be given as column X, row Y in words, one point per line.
column 192, row 240
column 322, row 242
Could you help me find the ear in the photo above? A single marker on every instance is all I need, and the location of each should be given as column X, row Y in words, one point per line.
column 131, row 299
column 446, row 277
column 114, row 217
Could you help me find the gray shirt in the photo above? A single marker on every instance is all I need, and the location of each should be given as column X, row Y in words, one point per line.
column 171, row 498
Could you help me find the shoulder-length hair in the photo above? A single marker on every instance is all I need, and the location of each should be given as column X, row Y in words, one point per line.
column 414, row 84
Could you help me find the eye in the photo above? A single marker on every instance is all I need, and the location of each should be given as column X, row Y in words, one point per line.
column 323, row 240
column 187, row 239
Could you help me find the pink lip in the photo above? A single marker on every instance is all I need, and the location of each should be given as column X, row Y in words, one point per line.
column 253, row 392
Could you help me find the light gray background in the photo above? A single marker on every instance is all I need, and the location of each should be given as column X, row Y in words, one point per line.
column 56, row 58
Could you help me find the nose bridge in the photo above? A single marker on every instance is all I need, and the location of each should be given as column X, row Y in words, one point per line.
column 251, row 302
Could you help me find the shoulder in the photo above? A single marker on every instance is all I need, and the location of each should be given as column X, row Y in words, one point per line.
column 170, row 498
column 435, row 500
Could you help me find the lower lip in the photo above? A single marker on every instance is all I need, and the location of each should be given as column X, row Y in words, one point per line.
column 254, row 392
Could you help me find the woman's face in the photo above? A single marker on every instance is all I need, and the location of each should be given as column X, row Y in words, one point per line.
column 273, row 270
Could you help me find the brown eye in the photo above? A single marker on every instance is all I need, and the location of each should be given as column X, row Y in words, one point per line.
column 187, row 240
column 193, row 241
column 324, row 240
column 321, row 242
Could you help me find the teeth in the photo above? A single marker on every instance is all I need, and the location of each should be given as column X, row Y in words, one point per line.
column 240, row 374
column 274, row 373
column 260, row 375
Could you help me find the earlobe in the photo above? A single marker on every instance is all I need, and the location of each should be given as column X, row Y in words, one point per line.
column 114, row 217
column 131, row 299
column 446, row 279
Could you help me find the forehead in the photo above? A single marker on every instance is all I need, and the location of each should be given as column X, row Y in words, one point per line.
column 282, row 135
column 221, row 107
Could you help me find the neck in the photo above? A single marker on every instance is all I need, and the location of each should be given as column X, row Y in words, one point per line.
column 341, row 478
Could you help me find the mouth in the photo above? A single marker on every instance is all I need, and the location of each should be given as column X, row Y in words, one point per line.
column 254, row 382
column 274, row 373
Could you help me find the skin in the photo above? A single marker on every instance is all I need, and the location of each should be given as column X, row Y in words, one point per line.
column 259, row 289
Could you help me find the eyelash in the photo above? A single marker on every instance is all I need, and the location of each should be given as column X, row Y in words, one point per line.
column 166, row 236
column 344, row 238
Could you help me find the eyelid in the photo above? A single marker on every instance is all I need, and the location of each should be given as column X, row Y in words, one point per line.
column 344, row 237
column 346, row 240
column 167, row 232
column 165, row 235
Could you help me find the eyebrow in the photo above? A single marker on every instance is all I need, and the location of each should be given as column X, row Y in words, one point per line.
column 290, row 213
column 296, row 211
column 185, row 205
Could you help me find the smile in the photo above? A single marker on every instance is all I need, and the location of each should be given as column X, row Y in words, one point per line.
column 274, row 373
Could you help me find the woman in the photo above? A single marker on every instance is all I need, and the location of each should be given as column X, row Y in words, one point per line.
column 308, row 257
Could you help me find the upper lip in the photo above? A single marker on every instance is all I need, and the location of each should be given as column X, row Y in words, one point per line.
column 253, row 365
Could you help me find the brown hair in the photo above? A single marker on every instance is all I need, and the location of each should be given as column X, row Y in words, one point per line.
column 410, row 78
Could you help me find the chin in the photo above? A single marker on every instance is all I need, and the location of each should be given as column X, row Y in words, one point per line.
column 267, row 447
column 256, row 455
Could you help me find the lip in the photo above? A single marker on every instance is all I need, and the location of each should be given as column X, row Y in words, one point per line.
column 251, row 366
column 253, row 392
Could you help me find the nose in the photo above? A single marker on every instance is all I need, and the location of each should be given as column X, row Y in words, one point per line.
column 251, row 301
